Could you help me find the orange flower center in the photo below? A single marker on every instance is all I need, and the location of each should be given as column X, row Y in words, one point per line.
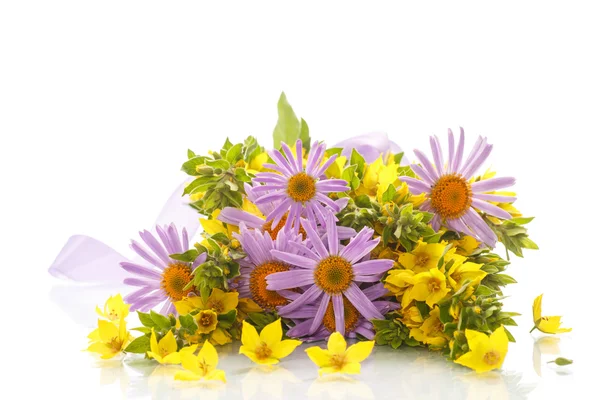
column 491, row 358
column 434, row 285
column 334, row 274
column 421, row 259
column 273, row 232
column 263, row 351
column 351, row 316
column 301, row 187
column 451, row 196
column 175, row 278
column 338, row 361
column 258, row 285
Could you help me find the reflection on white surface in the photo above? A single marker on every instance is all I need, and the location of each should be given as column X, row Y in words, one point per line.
column 388, row 374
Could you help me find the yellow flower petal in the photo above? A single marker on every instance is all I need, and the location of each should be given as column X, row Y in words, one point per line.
column 208, row 353
column 190, row 363
column 187, row 376
column 285, row 348
column 499, row 340
column 216, row 375
column 272, row 333
column 168, row 343
column 336, row 343
column 537, row 308
column 318, row 355
column 252, row 356
column 107, row 330
column 351, row 368
column 358, row 352
column 250, row 337
column 153, row 343
column 173, row 358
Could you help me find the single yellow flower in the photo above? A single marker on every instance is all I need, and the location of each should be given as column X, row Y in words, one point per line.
column 336, row 168
column 213, row 225
column 424, row 257
column 109, row 340
column 400, row 282
column 432, row 331
column 485, row 352
column 222, row 302
column 206, row 320
column 465, row 246
column 412, row 318
column 256, row 164
column 338, row 359
column 430, row 287
column 268, row 348
column 202, row 366
column 165, row 351
column 546, row 324
column 114, row 308
column 461, row 271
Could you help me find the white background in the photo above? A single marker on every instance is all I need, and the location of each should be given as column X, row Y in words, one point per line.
column 100, row 100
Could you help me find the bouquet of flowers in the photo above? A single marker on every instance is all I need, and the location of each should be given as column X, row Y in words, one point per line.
column 310, row 242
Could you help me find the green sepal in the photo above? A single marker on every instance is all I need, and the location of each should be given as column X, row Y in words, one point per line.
column 160, row 321
column 189, row 256
column 227, row 320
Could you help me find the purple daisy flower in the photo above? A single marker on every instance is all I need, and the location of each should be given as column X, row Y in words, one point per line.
column 451, row 195
column 235, row 216
column 354, row 322
column 163, row 280
column 297, row 190
column 259, row 264
column 330, row 272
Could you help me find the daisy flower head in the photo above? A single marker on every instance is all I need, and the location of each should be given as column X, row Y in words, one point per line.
column 296, row 189
column 253, row 215
column 161, row 280
column 354, row 322
column 452, row 196
column 330, row 272
column 260, row 263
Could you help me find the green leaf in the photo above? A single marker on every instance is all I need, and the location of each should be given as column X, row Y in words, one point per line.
column 522, row 220
column 334, row 150
column 528, row 244
column 160, row 321
column 398, row 157
column 227, row 320
column 389, row 194
column 234, row 153
column 189, row 167
column 190, row 154
column 146, row 320
column 363, row 201
column 359, row 161
column 200, row 184
column 222, row 164
column 561, row 361
column 139, row 346
column 304, row 134
column 188, row 256
column 142, row 329
column 288, row 127
column 483, row 290
column 188, row 322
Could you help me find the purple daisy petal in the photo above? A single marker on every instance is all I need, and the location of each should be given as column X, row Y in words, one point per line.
column 140, row 270
column 494, row 197
column 416, row 186
column 362, row 304
column 156, row 247
column 491, row 209
column 488, row 185
column 135, row 246
column 309, row 296
column 233, row 216
column 294, row 259
column 290, row 156
column 338, row 312
column 477, row 162
column 289, row 279
column 318, row 319
column 315, row 240
column 378, row 266
column 450, row 150
column 437, row 154
column 423, row 174
column 460, row 148
column 427, row 165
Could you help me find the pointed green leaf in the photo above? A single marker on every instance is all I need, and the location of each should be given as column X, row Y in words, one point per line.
column 288, row 127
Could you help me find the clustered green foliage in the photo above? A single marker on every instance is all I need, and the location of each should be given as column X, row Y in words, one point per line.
column 220, row 177
column 390, row 331
column 162, row 324
column 513, row 234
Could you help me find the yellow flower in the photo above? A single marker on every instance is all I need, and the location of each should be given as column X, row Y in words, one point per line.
column 114, row 308
column 546, row 324
column 432, row 331
column 430, row 287
column 213, row 225
column 188, row 304
column 485, row 352
column 268, row 348
column 256, row 164
column 165, row 351
column 465, row 246
column 400, row 282
column 460, row 272
column 109, row 340
column 203, row 366
column 412, row 317
column 222, row 302
column 206, row 320
column 424, row 257
column 335, row 170
column 338, row 359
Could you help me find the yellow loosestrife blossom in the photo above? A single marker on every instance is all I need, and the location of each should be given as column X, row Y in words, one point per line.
column 268, row 348
column 109, row 339
column 485, row 352
column 338, row 359
column 400, row 283
column 546, row 324
column 114, row 309
column 431, row 331
column 213, row 226
column 430, row 287
column 165, row 351
column 465, row 246
column 461, row 271
column 424, row 257
column 203, row 366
